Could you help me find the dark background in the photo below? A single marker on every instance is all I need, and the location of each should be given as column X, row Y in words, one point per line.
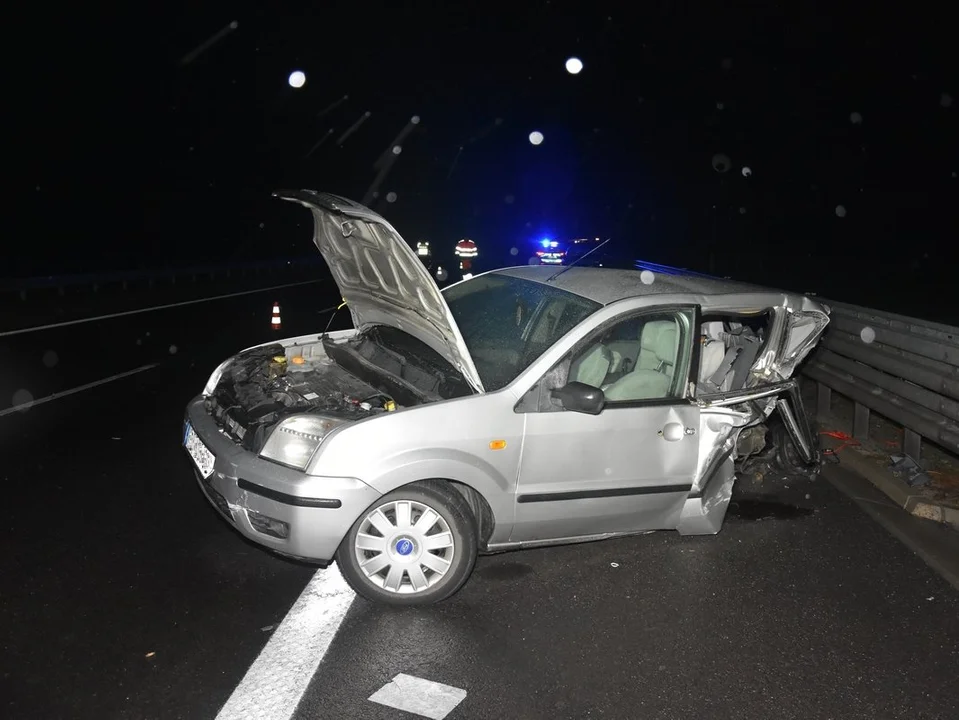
column 137, row 159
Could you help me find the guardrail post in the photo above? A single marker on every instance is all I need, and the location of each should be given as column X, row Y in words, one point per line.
column 911, row 443
column 823, row 399
column 860, row 422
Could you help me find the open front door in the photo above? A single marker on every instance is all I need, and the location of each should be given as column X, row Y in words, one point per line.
column 630, row 467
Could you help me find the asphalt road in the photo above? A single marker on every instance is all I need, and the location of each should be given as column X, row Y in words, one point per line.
column 801, row 607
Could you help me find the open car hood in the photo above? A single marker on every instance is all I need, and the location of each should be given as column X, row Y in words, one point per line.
column 380, row 277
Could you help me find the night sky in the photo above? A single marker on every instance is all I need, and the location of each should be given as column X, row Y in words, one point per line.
column 143, row 152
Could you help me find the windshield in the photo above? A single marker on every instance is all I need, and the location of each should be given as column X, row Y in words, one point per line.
column 507, row 323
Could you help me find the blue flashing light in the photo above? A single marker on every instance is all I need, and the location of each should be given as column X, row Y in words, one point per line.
column 545, row 242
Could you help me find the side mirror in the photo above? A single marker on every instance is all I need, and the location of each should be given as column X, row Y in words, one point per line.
column 580, row 397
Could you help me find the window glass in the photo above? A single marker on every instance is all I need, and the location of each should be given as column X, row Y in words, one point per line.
column 507, row 323
column 644, row 357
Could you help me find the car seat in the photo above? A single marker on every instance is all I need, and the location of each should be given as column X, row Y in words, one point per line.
column 653, row 375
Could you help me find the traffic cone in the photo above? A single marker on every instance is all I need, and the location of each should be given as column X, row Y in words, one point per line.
column 275, row 320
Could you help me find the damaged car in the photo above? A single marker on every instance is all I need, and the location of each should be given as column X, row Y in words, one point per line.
column 524, row 407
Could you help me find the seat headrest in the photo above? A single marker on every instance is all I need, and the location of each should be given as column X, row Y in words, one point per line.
column 660, row 338
column 713, row 330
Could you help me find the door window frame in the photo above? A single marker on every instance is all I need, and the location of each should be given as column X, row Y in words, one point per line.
column 535, row 400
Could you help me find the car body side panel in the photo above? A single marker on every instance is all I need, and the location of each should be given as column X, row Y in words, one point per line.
column 612, row 472
column 448, row 440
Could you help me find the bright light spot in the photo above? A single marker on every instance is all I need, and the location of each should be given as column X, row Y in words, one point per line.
column 509, row 199
column 945, row 100
column 721, row 162
column 855, row 118
column 261, row 226
column 867, row 334
column 536, row 137
column 397, row 149
column 841, row 211
column 390, row 197
column 415, row 119
column 514, row 251
column 747, row 171
column 22, row 397
column 297, row 79
column 647, row 277
column 234, row 25
column 441, row 274
column 467, row 276
column 574, row 65
column 50, row 358
column 173, row 349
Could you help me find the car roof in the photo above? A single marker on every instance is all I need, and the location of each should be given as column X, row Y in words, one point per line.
column 607, row 285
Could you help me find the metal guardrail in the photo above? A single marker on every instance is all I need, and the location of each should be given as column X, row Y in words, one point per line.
column 903, row 368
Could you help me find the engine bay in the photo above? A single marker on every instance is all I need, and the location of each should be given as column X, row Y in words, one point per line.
column 266, row 384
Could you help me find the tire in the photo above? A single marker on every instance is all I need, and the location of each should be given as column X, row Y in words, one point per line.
column 382, row 556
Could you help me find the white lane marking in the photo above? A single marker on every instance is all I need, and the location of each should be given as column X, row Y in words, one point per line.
column 418, row 696
column 58, row 395
column 36, row 328
column 277, row 679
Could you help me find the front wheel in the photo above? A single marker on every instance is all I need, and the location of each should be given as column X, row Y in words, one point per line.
column 413, row 546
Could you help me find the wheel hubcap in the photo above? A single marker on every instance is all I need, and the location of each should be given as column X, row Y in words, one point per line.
column 404, row 546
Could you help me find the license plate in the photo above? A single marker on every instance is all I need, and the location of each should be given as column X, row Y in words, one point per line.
column 204, row 459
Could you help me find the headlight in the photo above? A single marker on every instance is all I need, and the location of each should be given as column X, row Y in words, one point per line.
column 215, row 377
column 294, row 440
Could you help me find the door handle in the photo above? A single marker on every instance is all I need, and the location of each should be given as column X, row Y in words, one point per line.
column 675, row 431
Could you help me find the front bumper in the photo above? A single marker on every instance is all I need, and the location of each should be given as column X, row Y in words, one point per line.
column 317, row 510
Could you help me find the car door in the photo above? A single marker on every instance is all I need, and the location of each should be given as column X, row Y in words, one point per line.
column 629, row 467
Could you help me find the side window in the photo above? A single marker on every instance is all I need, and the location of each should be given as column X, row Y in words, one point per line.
column 641, row 357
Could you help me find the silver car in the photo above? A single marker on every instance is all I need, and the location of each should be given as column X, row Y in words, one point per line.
column 524, row 407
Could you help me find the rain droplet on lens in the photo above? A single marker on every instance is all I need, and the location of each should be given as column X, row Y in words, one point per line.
column 50, row 358
column 22, row 397
column 173, row 349
column 390, row 197
column 721, row 162
column 867, row 335
column 841, row 210
column 514, row 251
column 647, row 277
